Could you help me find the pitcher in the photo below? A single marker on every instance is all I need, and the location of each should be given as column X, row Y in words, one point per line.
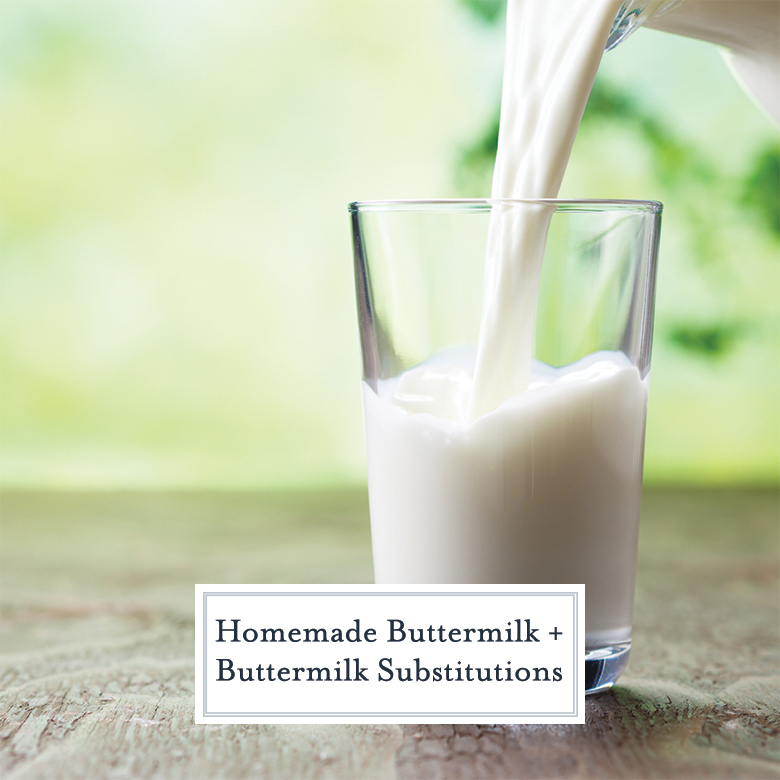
column 749, row 31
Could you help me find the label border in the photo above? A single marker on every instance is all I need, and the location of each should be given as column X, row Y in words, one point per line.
column 362, row 714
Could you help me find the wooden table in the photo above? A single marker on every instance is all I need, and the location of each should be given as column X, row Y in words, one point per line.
column 97, row 645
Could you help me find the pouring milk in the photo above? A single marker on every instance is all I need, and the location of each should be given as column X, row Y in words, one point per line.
column 485, row 466
column 553, row 51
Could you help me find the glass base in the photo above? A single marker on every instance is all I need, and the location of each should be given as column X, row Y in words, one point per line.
column 604, row 665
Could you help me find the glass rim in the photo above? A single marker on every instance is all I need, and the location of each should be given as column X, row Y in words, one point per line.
column 485, row 204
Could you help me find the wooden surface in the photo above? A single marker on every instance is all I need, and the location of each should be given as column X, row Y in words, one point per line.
column 97, row 645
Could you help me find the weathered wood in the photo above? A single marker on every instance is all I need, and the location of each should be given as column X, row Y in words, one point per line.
column 640, row 730
column 97, row 641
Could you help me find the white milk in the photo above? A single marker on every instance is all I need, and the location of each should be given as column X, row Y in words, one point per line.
column 543, row 489
column 475, row 475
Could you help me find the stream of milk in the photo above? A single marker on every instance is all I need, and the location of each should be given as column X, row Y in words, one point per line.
column 553, row 51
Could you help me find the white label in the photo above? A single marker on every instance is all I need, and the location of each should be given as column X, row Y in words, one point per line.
column 389, row 654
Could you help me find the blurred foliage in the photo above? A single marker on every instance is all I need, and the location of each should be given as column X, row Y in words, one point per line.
column 177, row 302
column 487, row 11
column 679, row 163
column 762, row 187
column 474, row 167
column 712, row 341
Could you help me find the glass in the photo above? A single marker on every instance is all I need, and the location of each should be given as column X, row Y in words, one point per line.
column 545, row 488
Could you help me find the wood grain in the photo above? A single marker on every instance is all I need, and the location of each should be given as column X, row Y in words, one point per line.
column 97, row 645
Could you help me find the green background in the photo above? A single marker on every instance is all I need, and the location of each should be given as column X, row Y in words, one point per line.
column 177, row 299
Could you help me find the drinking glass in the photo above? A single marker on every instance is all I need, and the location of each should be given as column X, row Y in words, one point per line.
column 546, row 487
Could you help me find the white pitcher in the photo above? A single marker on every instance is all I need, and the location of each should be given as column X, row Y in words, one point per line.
column 749, row 31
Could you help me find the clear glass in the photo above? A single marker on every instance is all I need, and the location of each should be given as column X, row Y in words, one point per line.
column 545, row 488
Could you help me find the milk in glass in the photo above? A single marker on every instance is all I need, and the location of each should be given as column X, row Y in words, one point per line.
column 484, row 465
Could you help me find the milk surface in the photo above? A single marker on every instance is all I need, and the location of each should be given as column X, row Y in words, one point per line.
column 544, row 488
column 484, row 466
